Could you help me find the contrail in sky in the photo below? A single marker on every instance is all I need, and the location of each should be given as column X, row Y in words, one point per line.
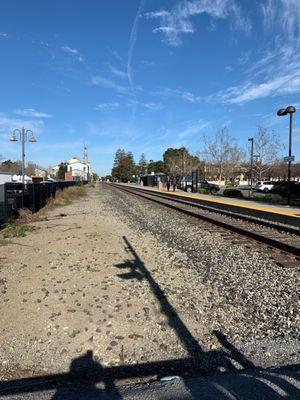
column 132, row 41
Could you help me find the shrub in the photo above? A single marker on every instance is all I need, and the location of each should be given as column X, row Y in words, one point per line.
column 277, row 198
column 273, row 198
column 235, row 193
column 203, row 191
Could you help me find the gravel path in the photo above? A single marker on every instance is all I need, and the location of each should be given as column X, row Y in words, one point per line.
column 135, row 282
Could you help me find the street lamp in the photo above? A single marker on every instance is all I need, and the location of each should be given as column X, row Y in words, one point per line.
column 251, row 168
column 24, row 135
column 282, row 112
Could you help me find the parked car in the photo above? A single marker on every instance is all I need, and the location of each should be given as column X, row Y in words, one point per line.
column 186, row 184
column 213, row 188
column 264, row 186
column 282, row 187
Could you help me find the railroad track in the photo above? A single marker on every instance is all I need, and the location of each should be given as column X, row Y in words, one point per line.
column 280, row 242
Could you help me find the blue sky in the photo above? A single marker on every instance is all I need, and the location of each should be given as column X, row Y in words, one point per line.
column 144, row 75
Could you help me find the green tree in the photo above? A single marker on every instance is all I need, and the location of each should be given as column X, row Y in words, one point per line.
column 62, row 170
column 142, row 167
column 95, row 176
column 124, row 167
column 180, row 161
column 11, row 166
column 156, row 166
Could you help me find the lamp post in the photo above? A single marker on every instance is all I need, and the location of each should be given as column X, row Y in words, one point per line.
column 251, row 165
column 24, row 137
column 282, row 112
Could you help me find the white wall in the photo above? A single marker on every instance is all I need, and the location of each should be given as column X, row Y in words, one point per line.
column 5, row 177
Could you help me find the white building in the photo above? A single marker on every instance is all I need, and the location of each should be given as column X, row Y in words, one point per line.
column 76, row 170
column 81, row 171
column 5, row 177
column 40, row 172
column 52, row 172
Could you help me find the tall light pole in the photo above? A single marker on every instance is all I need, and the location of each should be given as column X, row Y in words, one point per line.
column 24, row 137
column 282, row 112
column 251, row 165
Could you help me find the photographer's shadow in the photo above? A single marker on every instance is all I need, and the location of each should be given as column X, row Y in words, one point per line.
column 84, row 375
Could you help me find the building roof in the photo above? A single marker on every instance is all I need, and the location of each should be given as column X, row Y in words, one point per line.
column 73, row 160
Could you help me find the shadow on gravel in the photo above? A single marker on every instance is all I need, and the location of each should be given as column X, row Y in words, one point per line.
column 88, row 380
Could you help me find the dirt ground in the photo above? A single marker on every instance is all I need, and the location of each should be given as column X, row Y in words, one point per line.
column 75, row 284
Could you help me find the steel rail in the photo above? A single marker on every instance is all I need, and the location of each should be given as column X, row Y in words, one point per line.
column 255, row 220
column 258, row 237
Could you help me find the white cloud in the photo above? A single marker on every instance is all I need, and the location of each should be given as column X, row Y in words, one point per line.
column 107, row 107
column 117, row 72
column 176, row 22
column 108, row 84
column 31, row 112
column 193, row 129
column 277, row 71
column 281, row 84
column 180, row 94
column 73, row 52
column 116, row 54
column 153, row 106
column 244, row 58
column 70, row 50
column 113, row 129
column 3, row 35
column 289, row 82
column 148, row 63
column 285, row 15
column 7, row 124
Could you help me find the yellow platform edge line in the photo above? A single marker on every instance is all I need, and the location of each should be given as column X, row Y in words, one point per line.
column 249, row 206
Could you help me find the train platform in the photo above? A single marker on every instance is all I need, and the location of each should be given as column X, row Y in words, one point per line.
column 276, row 213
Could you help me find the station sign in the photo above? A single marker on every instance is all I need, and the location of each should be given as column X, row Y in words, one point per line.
column 289, row 159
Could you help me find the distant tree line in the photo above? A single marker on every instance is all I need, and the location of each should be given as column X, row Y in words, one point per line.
column 14, row 167
column 220, row 159
column 175, row 162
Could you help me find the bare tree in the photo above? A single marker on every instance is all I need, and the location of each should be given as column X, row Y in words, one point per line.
column 223, row 153
column 235, row 162
column 267, row 147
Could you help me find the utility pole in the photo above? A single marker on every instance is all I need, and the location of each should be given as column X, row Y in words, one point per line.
column 251, row 166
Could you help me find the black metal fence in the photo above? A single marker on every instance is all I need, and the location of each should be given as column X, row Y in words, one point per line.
column 34, row 196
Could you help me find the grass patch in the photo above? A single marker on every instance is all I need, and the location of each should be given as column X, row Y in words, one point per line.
column 16, row 230
column 67, row 196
